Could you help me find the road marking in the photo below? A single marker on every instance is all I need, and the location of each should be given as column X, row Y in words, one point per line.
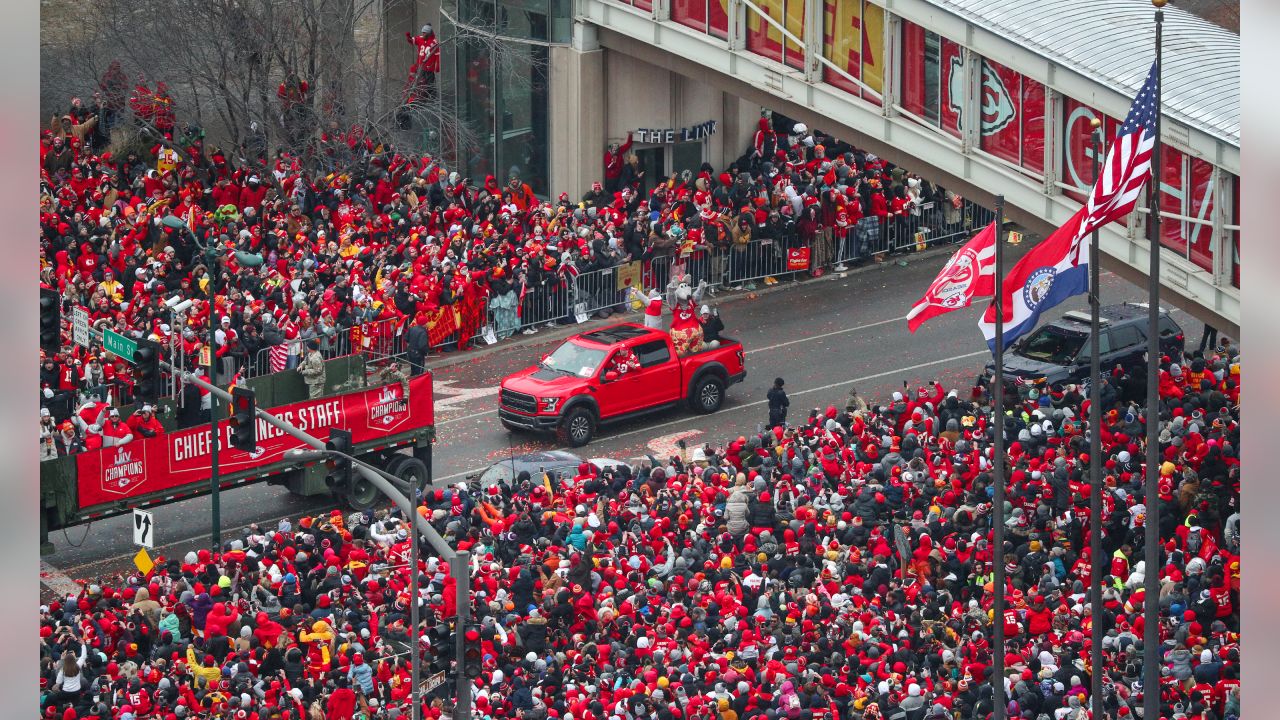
column 668, row 445
column 743, row 406
column 459, row 395
column 57, row 581
column 826, row 335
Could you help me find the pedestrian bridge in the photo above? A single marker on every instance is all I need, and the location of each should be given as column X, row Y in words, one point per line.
column 985, row 97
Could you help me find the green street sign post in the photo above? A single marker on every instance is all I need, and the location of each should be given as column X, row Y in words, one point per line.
column 118, row 345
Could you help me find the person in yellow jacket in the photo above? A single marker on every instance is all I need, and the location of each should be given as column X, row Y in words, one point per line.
column 207, row 674
column 112, row 287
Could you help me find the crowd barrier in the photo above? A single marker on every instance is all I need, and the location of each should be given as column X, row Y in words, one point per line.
column 616, row 290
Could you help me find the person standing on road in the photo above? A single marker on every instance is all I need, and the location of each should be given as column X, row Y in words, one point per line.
column 1210, row 337
column 312, row 370
column 778, row 403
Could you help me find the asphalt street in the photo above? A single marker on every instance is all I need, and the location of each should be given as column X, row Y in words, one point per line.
column 823, row 336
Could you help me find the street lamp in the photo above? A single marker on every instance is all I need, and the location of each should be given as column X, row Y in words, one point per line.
column 211, row 256
column 304, row 455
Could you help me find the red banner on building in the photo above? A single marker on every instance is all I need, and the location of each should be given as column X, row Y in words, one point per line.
column 181, row 458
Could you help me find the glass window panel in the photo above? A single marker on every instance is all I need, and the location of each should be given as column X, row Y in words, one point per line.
column 1033, row 126
column 951, row 87
column 1173, row 198
column 915, row 64
column 842, row 42
column 719, row 17
column 873, row 49
column 794, row 53
column 690, row 13
column 763, row 38
column 1200, row 205
column 1001, row 125
column 522, row 99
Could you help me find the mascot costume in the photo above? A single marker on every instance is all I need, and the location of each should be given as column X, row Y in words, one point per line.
column 686, row 331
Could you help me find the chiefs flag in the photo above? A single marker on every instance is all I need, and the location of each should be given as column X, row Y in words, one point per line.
column 969, row 273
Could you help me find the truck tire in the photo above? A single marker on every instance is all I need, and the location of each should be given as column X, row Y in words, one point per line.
column 708, row 394
column 363, row 495
column 413, row 471
column 577, row 427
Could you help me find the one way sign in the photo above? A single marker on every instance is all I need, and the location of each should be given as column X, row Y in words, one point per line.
column 142, row 526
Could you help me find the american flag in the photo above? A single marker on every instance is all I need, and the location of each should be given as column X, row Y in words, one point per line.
column 1127, row 166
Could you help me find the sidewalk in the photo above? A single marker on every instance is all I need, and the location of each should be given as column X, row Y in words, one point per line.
column 725, row 296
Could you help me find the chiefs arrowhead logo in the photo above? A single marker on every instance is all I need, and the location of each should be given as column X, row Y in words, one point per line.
column 998, row 110
column 388, row 407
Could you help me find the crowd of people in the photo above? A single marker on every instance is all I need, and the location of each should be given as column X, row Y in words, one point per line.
column 367, row 245
column 837, row 566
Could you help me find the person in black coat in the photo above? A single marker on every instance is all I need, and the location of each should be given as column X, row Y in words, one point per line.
column 418, row 347
column 778, row 403
column 712, row 326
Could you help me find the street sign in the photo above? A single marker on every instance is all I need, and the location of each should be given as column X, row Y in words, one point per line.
column 433, row 682
column 80, row 326
column 143, row 562
column 119, row 345
column 143, row 529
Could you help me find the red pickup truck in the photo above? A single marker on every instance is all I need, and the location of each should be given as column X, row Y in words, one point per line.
column 577, row 388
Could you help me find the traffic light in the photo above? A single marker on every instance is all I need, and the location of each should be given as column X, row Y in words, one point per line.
column 146, row 371
column 50, row 321
column 339, row 477
column 472, row 664
column 244, row 423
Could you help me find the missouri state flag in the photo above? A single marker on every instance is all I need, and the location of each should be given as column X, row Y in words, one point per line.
column 970, row 273
column 1043, row 278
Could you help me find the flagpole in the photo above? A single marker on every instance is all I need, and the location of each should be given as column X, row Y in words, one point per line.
column 1095, row 456
column 1151, row 603
column 997, row 480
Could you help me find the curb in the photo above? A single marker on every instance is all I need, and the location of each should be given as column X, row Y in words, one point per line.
column 561, row 332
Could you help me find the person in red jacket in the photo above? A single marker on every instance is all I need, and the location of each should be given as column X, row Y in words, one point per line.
column 613, row 160
column 1039, row 617
column 114, row 431
column 342, row 702
column 144, row 423
column 426, row 65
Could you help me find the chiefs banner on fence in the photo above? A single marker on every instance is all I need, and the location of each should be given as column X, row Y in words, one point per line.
column 181, row 458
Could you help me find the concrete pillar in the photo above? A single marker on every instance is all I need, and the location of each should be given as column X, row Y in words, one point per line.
column 400, row 17
column 576, row 119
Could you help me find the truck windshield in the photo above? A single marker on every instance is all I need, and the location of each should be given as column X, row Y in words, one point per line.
column 1052, row 345
column 575, row 359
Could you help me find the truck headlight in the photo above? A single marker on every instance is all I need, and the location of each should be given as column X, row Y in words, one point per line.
column 548, row 405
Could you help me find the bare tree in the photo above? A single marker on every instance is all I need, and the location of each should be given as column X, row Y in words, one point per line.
column 255, row 75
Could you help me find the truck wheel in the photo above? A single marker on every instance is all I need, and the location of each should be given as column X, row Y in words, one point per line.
column 363, row 495
column 413, row 471
column 576, row 428
column 708, row 395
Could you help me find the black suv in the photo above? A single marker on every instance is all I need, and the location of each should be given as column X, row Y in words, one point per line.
column 1058, row 353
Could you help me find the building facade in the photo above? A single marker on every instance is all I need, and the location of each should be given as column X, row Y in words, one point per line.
column 1005, row 86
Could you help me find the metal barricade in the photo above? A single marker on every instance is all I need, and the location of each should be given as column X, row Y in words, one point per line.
column 597, row 291
column 757, row 260
column 544, row 305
